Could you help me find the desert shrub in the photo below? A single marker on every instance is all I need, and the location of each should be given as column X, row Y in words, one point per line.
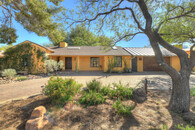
column 105, row 90
column 192, row 91
column 92, row 98
column 121, row 91
column 9, row 73
column 94, row 85
column 52, row 65
column 21, row 78
column 60, row 65
column 111, row 65
column 61, row 90
column 181, row 127
column 122, row 109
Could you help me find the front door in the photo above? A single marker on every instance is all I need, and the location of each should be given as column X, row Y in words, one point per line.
column 68, row 62
column 134, row 64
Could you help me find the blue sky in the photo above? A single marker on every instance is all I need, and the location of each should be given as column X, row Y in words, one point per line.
column 138, row 41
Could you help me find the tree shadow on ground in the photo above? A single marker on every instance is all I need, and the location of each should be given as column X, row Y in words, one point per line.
column 95, row 117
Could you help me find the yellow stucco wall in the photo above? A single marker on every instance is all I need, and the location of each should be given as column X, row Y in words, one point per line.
column 175, row 62
column 140, row 64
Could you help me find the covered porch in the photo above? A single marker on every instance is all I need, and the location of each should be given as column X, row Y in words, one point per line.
column 93, row 63
column 81, row 63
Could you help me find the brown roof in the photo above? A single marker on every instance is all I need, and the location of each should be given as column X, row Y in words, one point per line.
column 88, row 51
column 147, row 51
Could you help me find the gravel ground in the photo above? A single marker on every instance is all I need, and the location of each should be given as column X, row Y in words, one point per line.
column 19, row 90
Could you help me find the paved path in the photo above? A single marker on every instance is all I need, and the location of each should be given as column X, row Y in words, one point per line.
column 19, row 90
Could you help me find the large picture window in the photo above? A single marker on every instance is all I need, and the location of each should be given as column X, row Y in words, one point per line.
column 94, row 62
column 118, row 61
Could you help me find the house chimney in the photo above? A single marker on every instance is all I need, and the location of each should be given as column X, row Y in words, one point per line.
column 63, row 44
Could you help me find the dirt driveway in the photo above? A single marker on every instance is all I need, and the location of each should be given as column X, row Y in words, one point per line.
column 19, row 90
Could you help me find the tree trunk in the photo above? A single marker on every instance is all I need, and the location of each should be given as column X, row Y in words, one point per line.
column 180, row 97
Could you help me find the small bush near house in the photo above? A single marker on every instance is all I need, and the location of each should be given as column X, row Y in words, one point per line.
column 105, row 90
column 61, row 90
column 192, row 91
column 122, row 109
column 52, row 65
column 21, row 78
column 9, row 73
column 92, row 98
column 94, row 85
column 121, row 91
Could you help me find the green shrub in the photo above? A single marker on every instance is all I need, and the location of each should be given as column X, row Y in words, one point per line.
column 94, row 85
column 121, row 91
column 21, row 78
column 122, row 109
column 105, row 90
column 192, row 91
column 61, row 90
column 9, row 73
column 92, row 98
column 181, row 127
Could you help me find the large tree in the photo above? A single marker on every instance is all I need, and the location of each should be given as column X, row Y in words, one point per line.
column 82, row 36
column 34, row 15
column 127, row 18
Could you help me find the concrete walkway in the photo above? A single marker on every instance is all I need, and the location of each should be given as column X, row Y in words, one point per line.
column 19, row 90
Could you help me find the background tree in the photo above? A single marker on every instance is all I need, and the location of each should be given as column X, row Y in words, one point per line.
column 127, row 18
column 4, row 48
column 34, row 15
column 82, row 36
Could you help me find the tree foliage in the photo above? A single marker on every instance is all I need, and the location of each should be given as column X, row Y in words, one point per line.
column 81, row 36
column 179, row 30
column 34, row 15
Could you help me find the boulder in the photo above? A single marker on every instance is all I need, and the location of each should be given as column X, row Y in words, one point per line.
column 36, row 123
column 38, row 112
column 139, row 95
column 38, row 119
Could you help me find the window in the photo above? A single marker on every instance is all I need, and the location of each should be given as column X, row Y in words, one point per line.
column 26, row 60
column 94, row 62
column 118, row 61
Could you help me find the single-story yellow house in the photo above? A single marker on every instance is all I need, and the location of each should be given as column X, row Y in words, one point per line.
column 90, row 58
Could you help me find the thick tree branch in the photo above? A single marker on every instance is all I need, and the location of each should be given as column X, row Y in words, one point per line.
column 146, row 15
column 169, row 47
column 159, row 58
column 183, row 56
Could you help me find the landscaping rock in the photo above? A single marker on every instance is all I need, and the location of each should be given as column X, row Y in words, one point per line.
column 38, row 112
column 139, row 95
column 38, row 119
column 36, row 124
column 189, row 117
